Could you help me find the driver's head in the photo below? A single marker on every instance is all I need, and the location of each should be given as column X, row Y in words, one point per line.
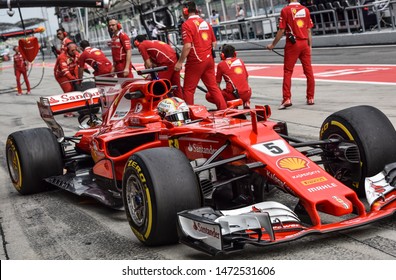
column 174, row 110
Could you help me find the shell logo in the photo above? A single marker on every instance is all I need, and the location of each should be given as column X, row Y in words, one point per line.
column 292, row 163
column 97, row 53
column 204, row 36
column 300, row 23
column 238, row 70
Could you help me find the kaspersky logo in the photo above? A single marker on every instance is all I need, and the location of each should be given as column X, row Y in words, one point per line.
column 292, row 163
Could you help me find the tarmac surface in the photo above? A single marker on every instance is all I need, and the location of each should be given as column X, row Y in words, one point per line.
column 58, row 225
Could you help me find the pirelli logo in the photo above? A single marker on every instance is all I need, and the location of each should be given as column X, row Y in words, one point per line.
column 313, row 181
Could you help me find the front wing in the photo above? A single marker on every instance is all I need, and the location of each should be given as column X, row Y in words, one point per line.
column 269, row 223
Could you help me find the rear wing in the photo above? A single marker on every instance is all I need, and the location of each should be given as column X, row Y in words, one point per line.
column 63, row 103
column 72, row 101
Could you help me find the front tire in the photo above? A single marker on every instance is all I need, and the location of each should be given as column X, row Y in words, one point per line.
column 157, row 184
column 374, row 136
column 33, row 155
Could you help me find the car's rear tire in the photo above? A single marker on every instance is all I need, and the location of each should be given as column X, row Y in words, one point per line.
column 33, row 155
column 157, row 184
column 374, row 136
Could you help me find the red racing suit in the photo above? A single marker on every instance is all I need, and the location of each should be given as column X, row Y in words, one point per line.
column 236, row 77
column 97, row 60
column 200, row 63
column 120, row 44
column 161, row 54
column 296, row 19
column 20, row 68
column 66, row 70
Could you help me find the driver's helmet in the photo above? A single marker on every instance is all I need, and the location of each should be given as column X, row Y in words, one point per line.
column 174, row 110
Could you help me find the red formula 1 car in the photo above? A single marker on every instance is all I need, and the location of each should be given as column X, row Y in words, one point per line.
column 207, row 178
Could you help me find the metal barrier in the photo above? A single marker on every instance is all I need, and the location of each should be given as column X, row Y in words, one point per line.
column 234, row 29
column 359, row 23
column 230, row 28
column 377, row 14
column 332, row 24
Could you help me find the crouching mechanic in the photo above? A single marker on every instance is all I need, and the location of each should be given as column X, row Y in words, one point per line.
column 174, row 110
column 235, row 75
column 157, row 53
column 94, row 58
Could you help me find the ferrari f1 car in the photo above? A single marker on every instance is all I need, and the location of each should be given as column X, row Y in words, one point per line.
column 206, row 178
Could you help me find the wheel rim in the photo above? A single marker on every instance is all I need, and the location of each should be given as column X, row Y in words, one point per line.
column 14, row 166
column 341, row 170
column 136, row 200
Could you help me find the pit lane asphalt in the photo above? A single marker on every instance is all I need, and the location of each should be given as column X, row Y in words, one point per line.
column 60, row 225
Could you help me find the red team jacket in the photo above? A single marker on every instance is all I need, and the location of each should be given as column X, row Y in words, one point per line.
column 200, row 34
column 96, row 59
column 297, row 18
column 19, row 63
column 120, row 44
column 234, row 72
column 66, row 66
column 159, row 52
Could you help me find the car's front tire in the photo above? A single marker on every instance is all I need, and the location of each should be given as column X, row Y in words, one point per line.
column 157, row 184
column 374, row 136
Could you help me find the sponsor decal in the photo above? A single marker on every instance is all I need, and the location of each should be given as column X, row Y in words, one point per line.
column 113, row 90
column 70, row 97
column 300, row 14
column 206, row 230
column 196, row 148
column 138, row 107
column 376, row 188
column 306, row 174
column 133, row 120
column 197, row 110
column 238, row 70
column 339, row 200
column 204, row 26
column 287, row 226
column 322, row 187
column 300, row 23
column 282, row 185
column 292, row 163
column 135, row 165
column 174, row 143
column 313, row 181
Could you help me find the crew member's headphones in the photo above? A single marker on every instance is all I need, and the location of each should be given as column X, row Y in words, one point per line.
column 185, row 9
column 63, row 31
column 222, row 55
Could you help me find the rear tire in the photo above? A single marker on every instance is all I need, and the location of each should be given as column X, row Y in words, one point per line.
column 374, row 136
column 157, row 184
column 33, row 155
